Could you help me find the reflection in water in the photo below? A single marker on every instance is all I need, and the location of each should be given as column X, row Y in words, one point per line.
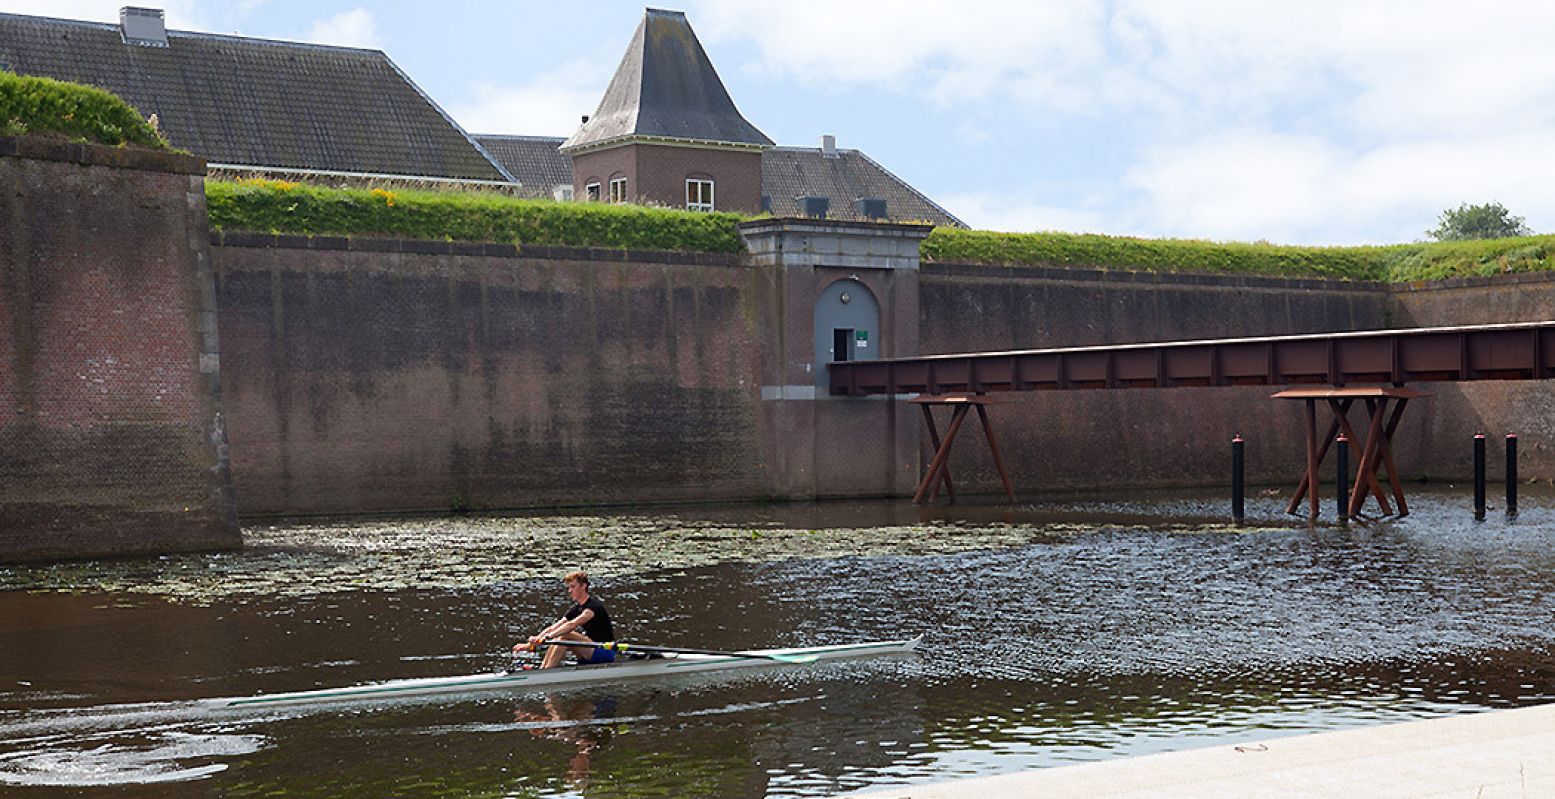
column 1074, row 633
column 555, row 721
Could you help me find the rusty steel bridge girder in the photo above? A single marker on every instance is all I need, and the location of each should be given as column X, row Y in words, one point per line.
column 1524, row 351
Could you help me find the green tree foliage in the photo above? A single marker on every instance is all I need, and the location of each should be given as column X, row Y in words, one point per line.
column 42, row 106
column 1488, row 221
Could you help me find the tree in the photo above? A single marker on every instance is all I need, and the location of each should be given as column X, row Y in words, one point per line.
column 1488, row 221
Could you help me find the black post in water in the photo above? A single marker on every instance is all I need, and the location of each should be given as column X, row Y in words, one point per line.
column 1342, row 455
column 1479, row 476
column 1236, row 480
column 1511, row 474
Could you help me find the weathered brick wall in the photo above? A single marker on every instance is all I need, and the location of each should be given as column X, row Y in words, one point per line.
column 386, row 375
column 1457, row 411
column 1136, row 437
column 110, row 427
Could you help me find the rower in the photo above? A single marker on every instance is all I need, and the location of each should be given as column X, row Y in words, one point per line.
column 586, row 621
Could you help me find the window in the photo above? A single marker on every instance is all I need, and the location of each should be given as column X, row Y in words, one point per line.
column 699, row 194
column 618, row 190
column 591, row 192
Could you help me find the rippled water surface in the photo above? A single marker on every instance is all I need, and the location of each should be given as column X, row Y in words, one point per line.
column 1054, row 634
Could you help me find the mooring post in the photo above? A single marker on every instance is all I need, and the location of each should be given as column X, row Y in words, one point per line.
column 1479, row 476
column 1237, row 485
column 1511, row 474
column 1342, row 456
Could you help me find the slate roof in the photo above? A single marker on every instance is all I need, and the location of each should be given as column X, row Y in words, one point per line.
column 257, row 102
column 666, row 88
column 532, row 160
column 787, row 173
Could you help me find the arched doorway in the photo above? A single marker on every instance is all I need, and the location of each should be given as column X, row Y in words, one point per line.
column 847, row 326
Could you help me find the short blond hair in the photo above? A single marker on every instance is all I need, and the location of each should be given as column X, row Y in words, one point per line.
column 578, row 576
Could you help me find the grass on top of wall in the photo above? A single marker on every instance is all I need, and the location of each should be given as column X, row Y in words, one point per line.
column 1154, row 255
column 1396, row 263
column 282, row 207
column 276, row 206
column 1473, row 258
column 45, row 107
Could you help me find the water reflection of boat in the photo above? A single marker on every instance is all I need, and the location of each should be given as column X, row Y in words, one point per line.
column 620, row 671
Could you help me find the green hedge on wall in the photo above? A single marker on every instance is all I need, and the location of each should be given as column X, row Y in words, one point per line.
column 284, row 207
column 42, row 106
column 1154, row 255
column 1447, row 259
column 1397, row 263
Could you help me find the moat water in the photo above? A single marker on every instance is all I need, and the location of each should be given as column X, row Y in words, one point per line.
column 1056, row 633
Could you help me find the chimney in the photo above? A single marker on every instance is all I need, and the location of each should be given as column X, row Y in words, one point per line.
column 143, row 26
column 828, row 146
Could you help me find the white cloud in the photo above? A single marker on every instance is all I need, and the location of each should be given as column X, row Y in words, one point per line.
column 984, row 211
column 1255, row 184
column 967, row 51
column 550, row 105
column 354, row 28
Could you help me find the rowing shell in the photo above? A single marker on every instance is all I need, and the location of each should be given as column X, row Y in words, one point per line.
column 566, row 676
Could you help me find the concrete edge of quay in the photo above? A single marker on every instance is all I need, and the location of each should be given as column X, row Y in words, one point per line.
column 1498, row 754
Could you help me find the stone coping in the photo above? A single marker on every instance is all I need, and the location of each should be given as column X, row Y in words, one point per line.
column 42, row 148
column 1092, row 274
column 811, row 225
column 1486, row 281
column 279, row 241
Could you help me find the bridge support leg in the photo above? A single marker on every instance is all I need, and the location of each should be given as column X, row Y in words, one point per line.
column 1375, row 447
column 938, row 472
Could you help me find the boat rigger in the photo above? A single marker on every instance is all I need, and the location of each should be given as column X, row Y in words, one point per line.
column 572, row 676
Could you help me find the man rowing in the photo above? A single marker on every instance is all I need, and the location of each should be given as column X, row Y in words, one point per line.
column 586, row 621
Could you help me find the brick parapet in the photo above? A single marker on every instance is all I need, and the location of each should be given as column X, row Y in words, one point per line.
column 40, row 148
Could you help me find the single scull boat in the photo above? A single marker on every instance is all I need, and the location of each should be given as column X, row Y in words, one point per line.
column 570, row 676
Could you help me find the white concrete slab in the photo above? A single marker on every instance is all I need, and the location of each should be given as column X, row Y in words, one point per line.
column 1503, row 754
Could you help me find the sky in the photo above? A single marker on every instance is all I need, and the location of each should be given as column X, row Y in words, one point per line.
column 1319, row 122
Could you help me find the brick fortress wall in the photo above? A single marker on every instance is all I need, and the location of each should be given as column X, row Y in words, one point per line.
column 1133, row 437
column 372, row 375
column 110, row 428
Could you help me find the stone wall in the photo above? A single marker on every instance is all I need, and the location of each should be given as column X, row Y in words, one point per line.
column 369, row 375
column 111, row 438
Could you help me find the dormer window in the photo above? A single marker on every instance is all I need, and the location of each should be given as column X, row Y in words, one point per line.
column 618, row 189
column 699, row 194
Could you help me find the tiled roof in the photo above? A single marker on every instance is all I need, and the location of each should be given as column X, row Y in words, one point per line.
column 257, row 102
column 532, row 160
column 666, row 88
column 788, row 173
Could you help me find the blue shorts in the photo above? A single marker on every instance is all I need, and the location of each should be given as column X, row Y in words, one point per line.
column 597, row 655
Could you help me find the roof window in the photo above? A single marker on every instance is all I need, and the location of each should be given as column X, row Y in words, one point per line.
column 143, row 26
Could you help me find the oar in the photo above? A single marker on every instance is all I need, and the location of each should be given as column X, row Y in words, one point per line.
column 618, row 646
